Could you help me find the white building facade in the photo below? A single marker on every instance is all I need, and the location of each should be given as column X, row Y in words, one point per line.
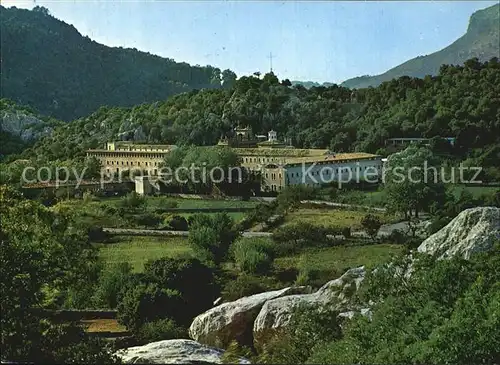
column 336, row 171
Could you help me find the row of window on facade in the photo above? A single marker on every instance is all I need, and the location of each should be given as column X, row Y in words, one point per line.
column 131, row 163
column 260, row 159
column 135, row 149
column 273, row 176
column 128, row 155
column 147, row 172
column 274, row 188
column 327, row 172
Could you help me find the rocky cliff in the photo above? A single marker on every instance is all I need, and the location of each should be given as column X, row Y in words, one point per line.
column 482, row 40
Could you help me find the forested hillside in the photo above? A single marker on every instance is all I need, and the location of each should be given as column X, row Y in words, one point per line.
column 20, row 127
column 461, row 102
column 482, row 40
column 49, row 65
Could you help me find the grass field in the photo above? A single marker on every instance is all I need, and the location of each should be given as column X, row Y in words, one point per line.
column 330, row 217
column 157, row 202
column 102, row 325
column 236, row 216
column 332, row 261
column 476, row 191
column 137, row 250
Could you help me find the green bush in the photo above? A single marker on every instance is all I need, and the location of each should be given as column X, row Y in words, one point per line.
column 346, row 232
column 147, row 303
column 245, row 285
column 254, row 256
column 305, row 331
column 176, row 223
column 162, row 329
column 212, row 236
column 292, row 238
column 252, row 261
column 371, row 224
column 188, row 276
column 112, row 283
column 132, row 201
column 147, row 220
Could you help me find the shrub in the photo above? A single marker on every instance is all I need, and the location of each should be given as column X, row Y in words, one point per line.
column 397, row 237
column 178, row 223
column 112, row 283
column 97, row 234
column 88, row 197
column 293, row 237
column 147, row 303
column 162, row 329
column 194, row 281
column 309, row 327
column 346, row 232
column 211, row 236
column 132, row 201
column 245, row 285
column 149, row 220
column 252, row 261
column 371, row 224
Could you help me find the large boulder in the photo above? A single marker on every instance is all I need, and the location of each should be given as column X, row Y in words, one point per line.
column 233, row 320
column 473, row 230
column 336, row 294
column 172, row 352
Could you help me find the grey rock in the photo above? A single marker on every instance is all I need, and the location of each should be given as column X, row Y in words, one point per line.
column 233, row 320
column 473, row 230
column 336, row 294
column 25, row 126
column 173, row 352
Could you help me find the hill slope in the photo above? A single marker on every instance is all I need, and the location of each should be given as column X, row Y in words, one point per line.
column 47, row 64
column 481, row 40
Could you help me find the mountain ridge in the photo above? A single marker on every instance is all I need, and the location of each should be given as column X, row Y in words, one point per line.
column 481, row 40
column 48, row 65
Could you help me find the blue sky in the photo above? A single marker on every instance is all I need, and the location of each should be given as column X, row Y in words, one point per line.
column 310, row 40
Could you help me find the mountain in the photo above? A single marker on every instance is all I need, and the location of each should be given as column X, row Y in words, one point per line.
column 309, row 84
column 20, row 127
column 481, row 40
column 47, row 64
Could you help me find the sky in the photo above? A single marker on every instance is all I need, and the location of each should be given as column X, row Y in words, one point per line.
column 322, row 41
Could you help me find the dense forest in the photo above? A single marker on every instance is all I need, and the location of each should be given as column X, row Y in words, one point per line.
column 461, row 102
column 73, row 75
column 481, row 40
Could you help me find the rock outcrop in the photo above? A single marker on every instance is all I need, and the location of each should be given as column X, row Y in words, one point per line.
column 172, row 352
column 233, row 320
column 473, row 230
column 336, row 294
column 23, row 125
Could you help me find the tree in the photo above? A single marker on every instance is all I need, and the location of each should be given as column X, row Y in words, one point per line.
column 371, row 224
column 445, row 311
column 228, row 79
column 148, row 302
column 412, row 181
column 211, row 236
column 41, row 254
column 193, row 280
column 112, row 283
